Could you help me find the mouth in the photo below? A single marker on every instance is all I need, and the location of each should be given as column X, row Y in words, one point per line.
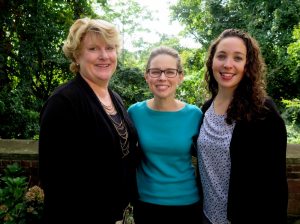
column 162, row 87
column 225, row 75
column 102, row 65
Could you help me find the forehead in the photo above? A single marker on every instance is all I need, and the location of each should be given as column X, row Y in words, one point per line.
column 163, row 60
column 93, row 37
column 232, row 45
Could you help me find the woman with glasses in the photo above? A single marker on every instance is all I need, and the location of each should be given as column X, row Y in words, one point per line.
column 166, row 126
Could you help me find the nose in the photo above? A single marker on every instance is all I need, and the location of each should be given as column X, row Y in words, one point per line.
column 102, row 54
column 228, row 63
column 162, row 75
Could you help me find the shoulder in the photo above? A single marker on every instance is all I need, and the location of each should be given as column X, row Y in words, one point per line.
column 193, row 108
column 76, row 88
column 191, row 112
column 270, row 104
column 64, row 100
column 67, row 92
column 270, row 108
column 137, row 106
column 272, row 113
column 117, row 97
column 206, row 105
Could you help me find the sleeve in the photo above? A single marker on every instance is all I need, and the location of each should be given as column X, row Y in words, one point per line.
column 276, row 143
column 57, row 131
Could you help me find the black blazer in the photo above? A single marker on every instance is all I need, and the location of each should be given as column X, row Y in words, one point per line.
column 258, row 185
column 82, row 170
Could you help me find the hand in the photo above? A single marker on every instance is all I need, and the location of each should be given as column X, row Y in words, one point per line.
column 119, row 222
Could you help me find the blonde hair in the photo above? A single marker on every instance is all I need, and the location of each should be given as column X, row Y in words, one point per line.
column 103, row 29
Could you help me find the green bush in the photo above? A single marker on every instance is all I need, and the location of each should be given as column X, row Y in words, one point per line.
column 19, row 203
column 291, row 115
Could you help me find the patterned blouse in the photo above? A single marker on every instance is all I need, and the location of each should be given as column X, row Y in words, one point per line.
column 214, row 164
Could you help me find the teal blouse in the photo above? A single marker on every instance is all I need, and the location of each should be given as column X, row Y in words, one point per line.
column 166, row 175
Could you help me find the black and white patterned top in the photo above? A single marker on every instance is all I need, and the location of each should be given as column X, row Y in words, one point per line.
column 214, row 164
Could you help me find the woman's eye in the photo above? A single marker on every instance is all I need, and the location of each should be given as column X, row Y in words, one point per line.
column 110, row 48
column 221, row 56
column 238, row 58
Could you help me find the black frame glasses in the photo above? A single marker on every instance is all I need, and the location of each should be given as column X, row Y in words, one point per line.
column 156, row 72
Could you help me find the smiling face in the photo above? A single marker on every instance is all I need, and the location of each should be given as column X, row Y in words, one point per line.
column 229, row 62
column 97, row 59
column 163, row 87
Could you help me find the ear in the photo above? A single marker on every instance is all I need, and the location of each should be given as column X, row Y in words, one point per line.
column 146, row 77
column 181, row 77
column 76, row 60
column 245, row 69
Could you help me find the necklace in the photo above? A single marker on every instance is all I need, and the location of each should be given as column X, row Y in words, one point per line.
column 121, row 129
column 109, row 109
column 119, row 125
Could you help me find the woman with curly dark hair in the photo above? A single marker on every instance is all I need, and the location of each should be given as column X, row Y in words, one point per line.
column 242, row 140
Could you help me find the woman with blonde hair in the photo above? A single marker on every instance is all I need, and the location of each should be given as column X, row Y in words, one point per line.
column 87, row 141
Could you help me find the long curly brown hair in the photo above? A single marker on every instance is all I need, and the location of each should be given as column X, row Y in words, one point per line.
column 249, row 96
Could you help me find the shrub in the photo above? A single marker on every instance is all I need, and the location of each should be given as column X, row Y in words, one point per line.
column 291, row 116
column 19, row 203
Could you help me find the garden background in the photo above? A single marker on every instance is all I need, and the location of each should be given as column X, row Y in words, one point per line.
column 32, row 63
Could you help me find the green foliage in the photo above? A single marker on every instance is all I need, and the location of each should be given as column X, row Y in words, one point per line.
column 192, row 89
column 127, row 16
column 130, row 84
column 294, row 56
column 270, row 22
column 292, row 118
column 17, row 120
column 18, row 203
column 294, row 47
column 293, row 133
column 32, row 64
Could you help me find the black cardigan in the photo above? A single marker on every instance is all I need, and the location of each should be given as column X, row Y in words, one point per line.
column 82, row 171
column 258, row 184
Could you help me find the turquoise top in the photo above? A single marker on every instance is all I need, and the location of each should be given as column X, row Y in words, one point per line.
column 166, row 175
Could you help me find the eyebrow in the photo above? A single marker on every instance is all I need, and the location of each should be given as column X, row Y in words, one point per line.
column 162, row 69
column 224, row 52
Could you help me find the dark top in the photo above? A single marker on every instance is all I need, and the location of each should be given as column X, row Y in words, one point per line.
column 82, row 170
column 258, row 183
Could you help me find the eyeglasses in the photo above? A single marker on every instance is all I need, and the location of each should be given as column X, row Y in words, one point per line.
column 156, row 72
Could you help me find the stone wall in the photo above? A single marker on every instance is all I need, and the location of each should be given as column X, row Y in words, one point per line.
column 25, row 152
column 293, row 174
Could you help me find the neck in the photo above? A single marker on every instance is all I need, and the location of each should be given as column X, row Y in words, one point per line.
column 100, row 89
column 103, row 96
column 221, row 102
column 165, row 104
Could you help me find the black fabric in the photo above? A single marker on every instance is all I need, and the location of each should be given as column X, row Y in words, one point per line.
column 147, row 213
column 81, row 168
column 258, row 185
